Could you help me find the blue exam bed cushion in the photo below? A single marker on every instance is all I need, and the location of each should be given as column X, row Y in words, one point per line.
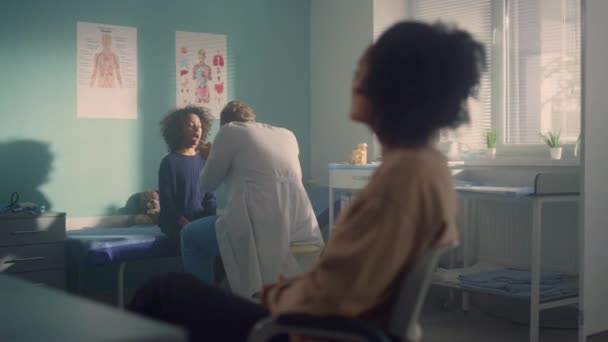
column 101, row 246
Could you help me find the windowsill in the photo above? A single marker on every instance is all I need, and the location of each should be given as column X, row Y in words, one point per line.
column 517, row 162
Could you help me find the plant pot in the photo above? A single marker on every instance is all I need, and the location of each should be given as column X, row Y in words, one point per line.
column 491, row 152
column 556, row 153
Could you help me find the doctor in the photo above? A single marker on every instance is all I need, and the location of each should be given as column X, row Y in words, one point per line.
column 267, row 206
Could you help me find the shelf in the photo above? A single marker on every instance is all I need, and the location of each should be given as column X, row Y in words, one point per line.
column 552, row 302
column 523, row 162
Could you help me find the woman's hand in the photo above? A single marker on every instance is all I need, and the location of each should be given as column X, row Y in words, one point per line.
column 267, row 288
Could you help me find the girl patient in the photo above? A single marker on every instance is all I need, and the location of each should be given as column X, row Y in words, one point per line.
column 181, row 200
column 414, row 81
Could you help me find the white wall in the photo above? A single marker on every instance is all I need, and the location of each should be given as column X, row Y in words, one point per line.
column 595, row 168
column 340, row 32
column 387, row 13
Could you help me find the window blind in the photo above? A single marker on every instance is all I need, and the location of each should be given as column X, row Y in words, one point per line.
column 543, row 70
column 474, row 16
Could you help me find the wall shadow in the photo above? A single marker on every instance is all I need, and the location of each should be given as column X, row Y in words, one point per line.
column 25, row 165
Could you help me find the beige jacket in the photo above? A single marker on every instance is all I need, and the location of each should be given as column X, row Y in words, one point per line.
column 408, row 207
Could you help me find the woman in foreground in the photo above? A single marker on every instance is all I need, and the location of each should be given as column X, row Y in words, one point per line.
column 414, row 81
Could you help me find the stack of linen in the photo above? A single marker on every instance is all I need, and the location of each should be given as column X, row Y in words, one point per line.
column 514, row 283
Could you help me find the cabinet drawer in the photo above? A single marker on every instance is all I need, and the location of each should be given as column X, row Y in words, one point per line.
column 53, row 278
column 30, row 230
column 17, row 259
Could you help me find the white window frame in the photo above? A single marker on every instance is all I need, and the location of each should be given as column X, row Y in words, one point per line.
column 524, row 153
column 499, row 92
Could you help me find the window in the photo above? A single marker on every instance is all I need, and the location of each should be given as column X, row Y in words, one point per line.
column 533, row 81
column 474, row 16
column 543, row 70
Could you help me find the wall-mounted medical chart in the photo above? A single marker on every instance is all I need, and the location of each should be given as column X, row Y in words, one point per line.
column 201, row 70
column 106, row 69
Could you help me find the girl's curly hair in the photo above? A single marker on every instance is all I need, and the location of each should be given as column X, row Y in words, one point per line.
column 171, row 126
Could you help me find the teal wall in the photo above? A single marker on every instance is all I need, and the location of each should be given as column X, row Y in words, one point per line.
column 88, row 167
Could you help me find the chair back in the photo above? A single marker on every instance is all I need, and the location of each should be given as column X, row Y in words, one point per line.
column 414, row 285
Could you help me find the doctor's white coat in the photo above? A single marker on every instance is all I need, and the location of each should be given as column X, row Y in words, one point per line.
column 267, row 206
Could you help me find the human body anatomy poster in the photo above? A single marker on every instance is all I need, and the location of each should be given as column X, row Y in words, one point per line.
column 201, row 70
column 106, row 71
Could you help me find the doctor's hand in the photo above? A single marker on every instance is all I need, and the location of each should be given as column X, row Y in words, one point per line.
column 204, row 150
column 182, row 221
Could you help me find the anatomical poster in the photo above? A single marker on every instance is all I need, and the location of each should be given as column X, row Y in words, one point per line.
column 201, row 70
column 106, row 69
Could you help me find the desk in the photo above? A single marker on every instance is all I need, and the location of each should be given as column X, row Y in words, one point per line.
column 352, row 177
column 471, row 194
column 36, row 313
column 346, row 177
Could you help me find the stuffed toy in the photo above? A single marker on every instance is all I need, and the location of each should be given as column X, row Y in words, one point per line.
column 143, row 207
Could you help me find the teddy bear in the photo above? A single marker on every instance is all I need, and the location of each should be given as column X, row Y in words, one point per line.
column 143, row 208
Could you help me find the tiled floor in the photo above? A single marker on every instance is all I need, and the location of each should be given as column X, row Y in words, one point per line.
column 452, row 325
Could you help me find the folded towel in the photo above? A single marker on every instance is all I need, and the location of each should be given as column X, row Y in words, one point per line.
column 446, row 275
column 517, row 284
column 547, row 292
column 510, row 288
column 500, row 277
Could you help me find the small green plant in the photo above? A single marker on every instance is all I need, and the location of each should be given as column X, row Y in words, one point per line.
column 577, row 146
column 491, row 138
column 551, row 139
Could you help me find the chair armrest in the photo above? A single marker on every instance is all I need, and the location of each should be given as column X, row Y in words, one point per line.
column 316, row 326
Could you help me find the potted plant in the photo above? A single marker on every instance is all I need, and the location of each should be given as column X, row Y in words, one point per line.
column 552, row 140
column 491, row 144
column 577, row 147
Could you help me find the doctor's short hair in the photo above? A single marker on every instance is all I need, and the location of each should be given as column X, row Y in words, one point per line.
column 172, row 125
column 419, row 77
column 236, row 111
